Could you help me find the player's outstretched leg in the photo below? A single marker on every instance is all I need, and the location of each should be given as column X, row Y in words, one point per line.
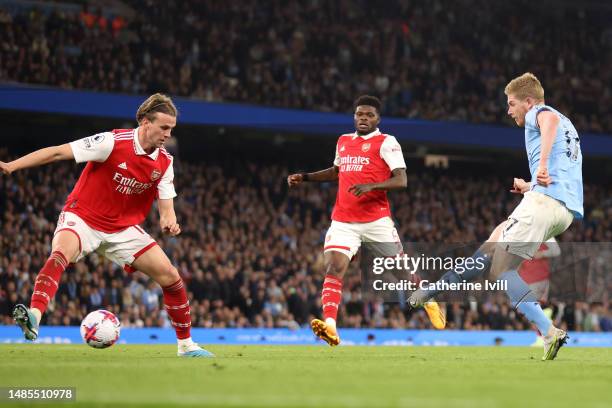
column 481, row 262
column 65, row 246
column 482, row 259
column 156, row 264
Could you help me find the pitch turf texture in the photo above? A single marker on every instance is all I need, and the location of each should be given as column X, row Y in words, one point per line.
column 294, row 376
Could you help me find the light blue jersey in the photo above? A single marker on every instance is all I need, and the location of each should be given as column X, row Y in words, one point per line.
column 564, row 162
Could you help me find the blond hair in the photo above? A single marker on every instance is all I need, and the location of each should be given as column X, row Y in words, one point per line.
column 524, row 86
column 156, row 103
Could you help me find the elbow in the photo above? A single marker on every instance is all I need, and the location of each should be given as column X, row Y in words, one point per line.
column 59, row 154
column 57, row 157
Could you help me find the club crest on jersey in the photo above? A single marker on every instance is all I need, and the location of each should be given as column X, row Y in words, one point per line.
column 365, row 147
column 155, row 174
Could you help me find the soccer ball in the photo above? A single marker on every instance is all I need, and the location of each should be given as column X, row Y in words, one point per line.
column 100, row 329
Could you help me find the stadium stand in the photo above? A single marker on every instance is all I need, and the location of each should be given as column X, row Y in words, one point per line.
column 318, row 55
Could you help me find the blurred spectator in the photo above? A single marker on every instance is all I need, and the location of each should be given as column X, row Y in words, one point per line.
column 428, row 59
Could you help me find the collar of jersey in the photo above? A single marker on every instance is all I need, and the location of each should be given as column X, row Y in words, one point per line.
column 368, row 136
column 139, row 150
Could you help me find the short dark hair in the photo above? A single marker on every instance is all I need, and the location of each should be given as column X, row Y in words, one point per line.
column 368, row 100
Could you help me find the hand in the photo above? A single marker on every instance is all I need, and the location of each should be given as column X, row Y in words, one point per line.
column 359, row 189
column 295, row 179
column 5, row 168
column 543, row 178
column 170, row 227
column 520, row 186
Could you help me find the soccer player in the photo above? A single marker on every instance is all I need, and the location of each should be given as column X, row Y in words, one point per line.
column 551, row 201
column 127, row 169
column 367, row 164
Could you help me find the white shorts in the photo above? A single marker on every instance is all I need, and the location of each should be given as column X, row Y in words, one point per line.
column 122, row 247
column 537, row 218
column 347, row 237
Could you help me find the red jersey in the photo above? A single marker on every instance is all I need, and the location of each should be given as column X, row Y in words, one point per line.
column 120, row 181
column 365, row 159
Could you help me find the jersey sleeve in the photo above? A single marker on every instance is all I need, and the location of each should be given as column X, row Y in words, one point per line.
column 337, row 156
column 391, row 153
column 93, row 148
column 165, row 188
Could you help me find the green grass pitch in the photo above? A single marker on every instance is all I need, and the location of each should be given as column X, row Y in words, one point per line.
column 295, row 376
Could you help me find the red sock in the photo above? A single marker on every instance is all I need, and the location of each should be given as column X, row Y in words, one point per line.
column 47, row 281
column 177, row 306
column 331, row 296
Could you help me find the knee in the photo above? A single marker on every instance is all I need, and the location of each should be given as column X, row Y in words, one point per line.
column 67, row 243
column 336, row 267
column 168, row 277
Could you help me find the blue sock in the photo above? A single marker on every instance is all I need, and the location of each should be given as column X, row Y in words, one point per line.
column 521, row 297
column 480, row 264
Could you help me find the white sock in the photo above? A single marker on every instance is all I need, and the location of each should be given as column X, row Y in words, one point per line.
column 36, row 314
column 331, row 322
column 551, row 331
column 184, row 342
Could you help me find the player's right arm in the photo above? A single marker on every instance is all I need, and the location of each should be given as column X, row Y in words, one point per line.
column 38, row 158
column 93, row 148
column 329, row 174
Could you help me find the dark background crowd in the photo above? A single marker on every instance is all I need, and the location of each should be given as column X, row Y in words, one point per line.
column 438, row 60
column 251, row 250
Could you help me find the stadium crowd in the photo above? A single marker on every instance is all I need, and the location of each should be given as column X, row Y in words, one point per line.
column 251, row 250
column 440, row 60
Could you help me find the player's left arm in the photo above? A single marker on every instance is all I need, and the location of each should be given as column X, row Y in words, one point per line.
column 167, row 217
column 548, row 123
column 165, row 203
column 397, row 181
column 391, row 153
